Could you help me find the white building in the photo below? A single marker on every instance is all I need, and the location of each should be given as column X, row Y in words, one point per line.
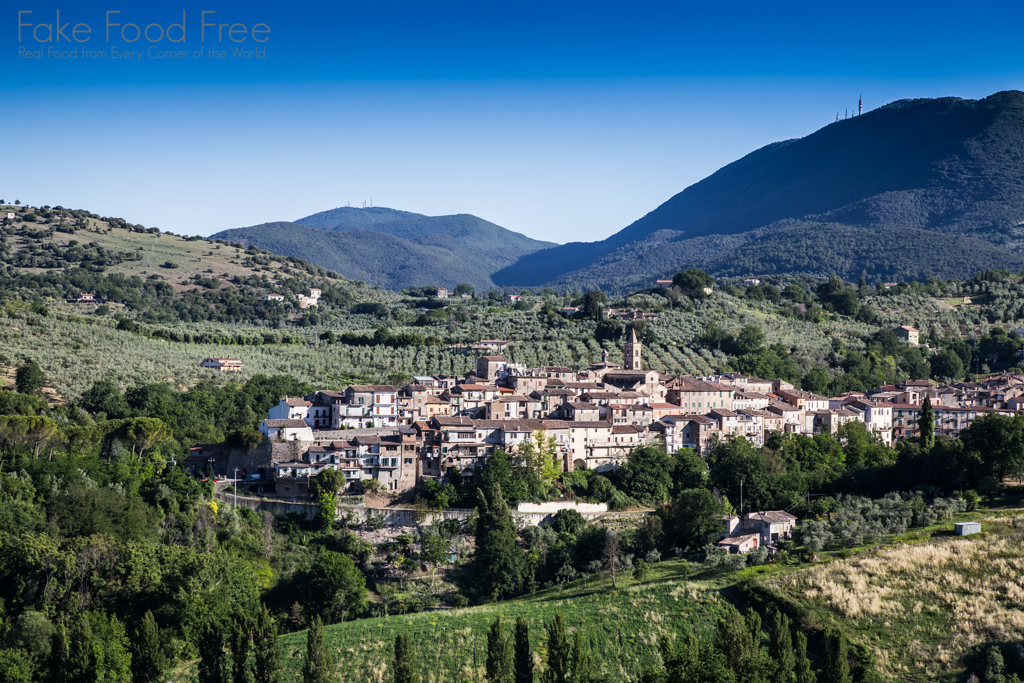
column 286, row 430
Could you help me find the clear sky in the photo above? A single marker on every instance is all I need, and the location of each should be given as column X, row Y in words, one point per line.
column 563, row 121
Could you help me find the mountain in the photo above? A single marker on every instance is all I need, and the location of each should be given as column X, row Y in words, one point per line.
column 914, row 189
column 394, row 249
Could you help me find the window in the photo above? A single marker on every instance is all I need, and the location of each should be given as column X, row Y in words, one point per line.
column 408, row 461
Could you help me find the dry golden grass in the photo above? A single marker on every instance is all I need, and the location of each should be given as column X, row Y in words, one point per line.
column 922, row 606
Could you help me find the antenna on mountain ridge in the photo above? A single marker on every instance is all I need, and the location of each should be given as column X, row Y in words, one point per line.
column 860, row 105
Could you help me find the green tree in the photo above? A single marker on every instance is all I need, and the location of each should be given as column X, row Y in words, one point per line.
column 537, row 462
column 688, row 471
column 498, row 561
column 592, row 306
column 646, row 475
column 241, row 647
column 836, row 660
column 29, row 378
column 328, row 480
column 60, row 654
column 836, row 297
column 319, row 665
column 405, row 659
column 103, row 397
column 781, row 650
column 434, row 552
column 498, row 471
column 523, row 654
column 802, row 665
column 926, row 424
column 266, row 649
column 999, row 441
column 947, row 364
column 815, row 381
column 113, row 649
column 749, row 340
column 559, row 652
column 213, row 662
column 15, row 666
column 82, row 658
column 326, row 508
column 608, row 330
column 693, row 519
column 692, row 282
column 335, row 588
column 741, row 650
column 148, row 660
column 582, row 659
column 795, row 291
column 500, row 655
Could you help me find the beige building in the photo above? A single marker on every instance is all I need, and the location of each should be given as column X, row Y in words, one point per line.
column 222, row 364
column 907, row 334
column 697, row 396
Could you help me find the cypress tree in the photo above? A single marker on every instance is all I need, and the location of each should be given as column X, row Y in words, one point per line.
column 147, row 655
column 404, row 658
column 836, row 667
column 499, row 663
column 927, row 424
column 753, row 621
column 498, row 561
column 81, row 659
column 213, row 664
column 804, row 672
column 559, row 652
column 319, row 666
column 781, row 648
column 733, row 641
column 582, row 660
column 241, row 645
column 60, row 654
column 523, row 656
column 266, row 650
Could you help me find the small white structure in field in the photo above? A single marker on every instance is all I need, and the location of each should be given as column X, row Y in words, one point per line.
column 966, row 528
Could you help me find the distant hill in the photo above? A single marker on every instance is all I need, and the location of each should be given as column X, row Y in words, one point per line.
column 913, row 189
column 394, row 249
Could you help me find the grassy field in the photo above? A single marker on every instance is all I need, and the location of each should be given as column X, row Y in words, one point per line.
column 622, row 625
column 921, row 604
column 191, row 257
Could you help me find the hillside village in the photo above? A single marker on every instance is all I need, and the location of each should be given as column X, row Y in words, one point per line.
column 594, row 418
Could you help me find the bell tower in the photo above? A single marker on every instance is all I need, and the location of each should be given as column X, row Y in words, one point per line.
column 633, row 352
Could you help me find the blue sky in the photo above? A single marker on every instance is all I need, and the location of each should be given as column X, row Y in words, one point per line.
column 565, row 122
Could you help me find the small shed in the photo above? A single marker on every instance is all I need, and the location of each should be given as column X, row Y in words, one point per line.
column 966, row 528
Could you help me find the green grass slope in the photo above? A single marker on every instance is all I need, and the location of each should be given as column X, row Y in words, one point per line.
column 623, row 627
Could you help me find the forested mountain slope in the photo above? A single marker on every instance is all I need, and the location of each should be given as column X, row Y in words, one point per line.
column 395, row 249
column 951, row 167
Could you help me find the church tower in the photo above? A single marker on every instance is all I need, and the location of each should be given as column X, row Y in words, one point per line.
column 632, row 352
